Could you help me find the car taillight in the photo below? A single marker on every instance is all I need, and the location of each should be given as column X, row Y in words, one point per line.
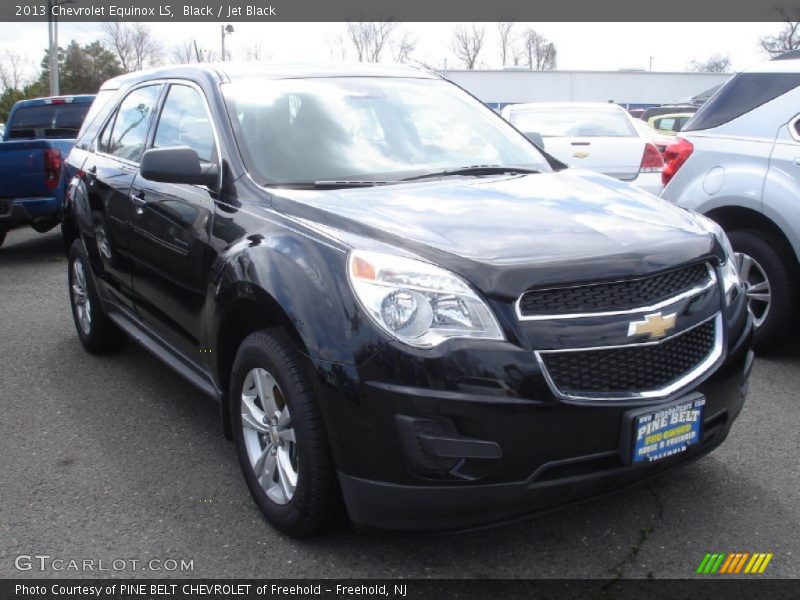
column 675, row 155
column 652, row 162
column 52, row 168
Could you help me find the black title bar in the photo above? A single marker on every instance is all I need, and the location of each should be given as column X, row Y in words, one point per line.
column 398, row 589
column 400, row 10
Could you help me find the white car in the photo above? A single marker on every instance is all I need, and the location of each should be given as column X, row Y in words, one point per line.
column 737, row 161
column 660, row 140
column 591, row 135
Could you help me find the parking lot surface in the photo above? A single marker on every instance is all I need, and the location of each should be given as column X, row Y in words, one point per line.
column 116, row 457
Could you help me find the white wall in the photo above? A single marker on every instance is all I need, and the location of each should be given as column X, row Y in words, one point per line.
column 623, row 87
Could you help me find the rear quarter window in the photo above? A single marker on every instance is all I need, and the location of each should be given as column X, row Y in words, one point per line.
column 740, row 95
column 94, row 118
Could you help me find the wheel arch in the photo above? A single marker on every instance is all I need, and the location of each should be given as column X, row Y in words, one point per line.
column 739, row 217
column 247, row 310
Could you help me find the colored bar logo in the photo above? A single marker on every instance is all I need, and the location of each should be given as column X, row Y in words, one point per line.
column 734, row 563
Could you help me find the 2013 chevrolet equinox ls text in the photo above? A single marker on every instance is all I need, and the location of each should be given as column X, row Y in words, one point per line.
column 405, row 309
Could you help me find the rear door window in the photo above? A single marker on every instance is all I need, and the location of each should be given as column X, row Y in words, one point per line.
column 740, row 95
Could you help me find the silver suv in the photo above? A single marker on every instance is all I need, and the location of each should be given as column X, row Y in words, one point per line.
column 738, row 162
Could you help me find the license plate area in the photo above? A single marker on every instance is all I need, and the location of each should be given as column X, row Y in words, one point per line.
column 653, row 434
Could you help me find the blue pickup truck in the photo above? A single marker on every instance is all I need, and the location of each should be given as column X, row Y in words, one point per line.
column 38, row 136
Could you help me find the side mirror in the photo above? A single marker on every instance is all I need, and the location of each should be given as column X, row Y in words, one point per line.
column 179, row 164
column 536, row 138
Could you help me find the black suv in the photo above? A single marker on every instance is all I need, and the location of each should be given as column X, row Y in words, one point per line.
column 406, row 310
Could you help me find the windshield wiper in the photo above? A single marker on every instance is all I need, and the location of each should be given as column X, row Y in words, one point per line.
column 347, row 183
column 332, row 184
column 476, row 170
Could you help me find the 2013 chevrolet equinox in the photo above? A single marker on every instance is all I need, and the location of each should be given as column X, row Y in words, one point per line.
column 405, row 309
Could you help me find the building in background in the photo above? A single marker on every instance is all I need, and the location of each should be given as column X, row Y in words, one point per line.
column 631, row 89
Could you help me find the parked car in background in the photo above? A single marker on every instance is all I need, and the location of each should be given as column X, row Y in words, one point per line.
column 591, row 135
column 404, row 308
column 738, row 162
column 657, row 138
column 37, row 138
column 669, row 124
column 667, row 109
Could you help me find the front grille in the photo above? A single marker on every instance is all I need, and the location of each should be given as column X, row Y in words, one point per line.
column 615, row 295
column 630, row 369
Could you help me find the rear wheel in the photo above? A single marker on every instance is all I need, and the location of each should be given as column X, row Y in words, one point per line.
column 280, row 437
column 97, row 333
column 770, row 281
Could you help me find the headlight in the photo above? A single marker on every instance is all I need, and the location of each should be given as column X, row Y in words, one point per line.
column 418, row 303
column 731, row 283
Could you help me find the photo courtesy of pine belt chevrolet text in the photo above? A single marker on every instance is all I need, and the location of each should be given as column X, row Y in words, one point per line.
column 411, row 316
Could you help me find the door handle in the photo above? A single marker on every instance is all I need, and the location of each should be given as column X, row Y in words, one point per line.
column 139, row 201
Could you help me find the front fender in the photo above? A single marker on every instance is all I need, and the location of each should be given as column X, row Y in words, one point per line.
column 305, row 281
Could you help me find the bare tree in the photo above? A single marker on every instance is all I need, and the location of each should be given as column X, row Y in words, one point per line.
column 788, row 38
column 117, row 39
column 539, row 54
column 716, row 63
column 337, row 46
column 518, row 53
column 15, row 71
column 255, row 52
column 183, row 53
column 467, row 44
column 359, row 34
column 370, row 39
column 401, row 51
column 133, row 43
column 147, row 49
column 504, row 29
column 383, row 31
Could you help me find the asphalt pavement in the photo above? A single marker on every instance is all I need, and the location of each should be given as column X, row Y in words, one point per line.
column 116, row 458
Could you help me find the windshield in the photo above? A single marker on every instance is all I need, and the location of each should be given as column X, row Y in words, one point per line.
column 48, row 121
column 296, row 131
column 571, row 122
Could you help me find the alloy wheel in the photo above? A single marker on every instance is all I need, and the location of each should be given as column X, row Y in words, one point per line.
column 269, row 436
column 756, row 287
column 80, row 297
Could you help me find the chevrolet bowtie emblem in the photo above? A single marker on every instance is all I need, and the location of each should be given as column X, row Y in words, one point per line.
column 580, row 154
column 655, row 325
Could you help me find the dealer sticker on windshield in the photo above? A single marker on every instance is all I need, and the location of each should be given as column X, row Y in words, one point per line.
column 667, row 431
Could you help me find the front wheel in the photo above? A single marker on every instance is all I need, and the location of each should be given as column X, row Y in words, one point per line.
column 770, row 284
column 280, row 437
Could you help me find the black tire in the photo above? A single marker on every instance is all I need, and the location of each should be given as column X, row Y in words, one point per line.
column 101, row 335
column 781, row 320
column 3, row 233
column 316, row 505
column 68, row 234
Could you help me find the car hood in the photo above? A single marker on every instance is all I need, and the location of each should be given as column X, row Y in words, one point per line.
column 509, row 233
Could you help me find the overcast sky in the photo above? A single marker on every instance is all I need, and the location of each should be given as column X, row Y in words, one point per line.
column 593, row 46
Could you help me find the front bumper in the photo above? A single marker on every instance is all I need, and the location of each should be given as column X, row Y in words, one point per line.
column 551, row 452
